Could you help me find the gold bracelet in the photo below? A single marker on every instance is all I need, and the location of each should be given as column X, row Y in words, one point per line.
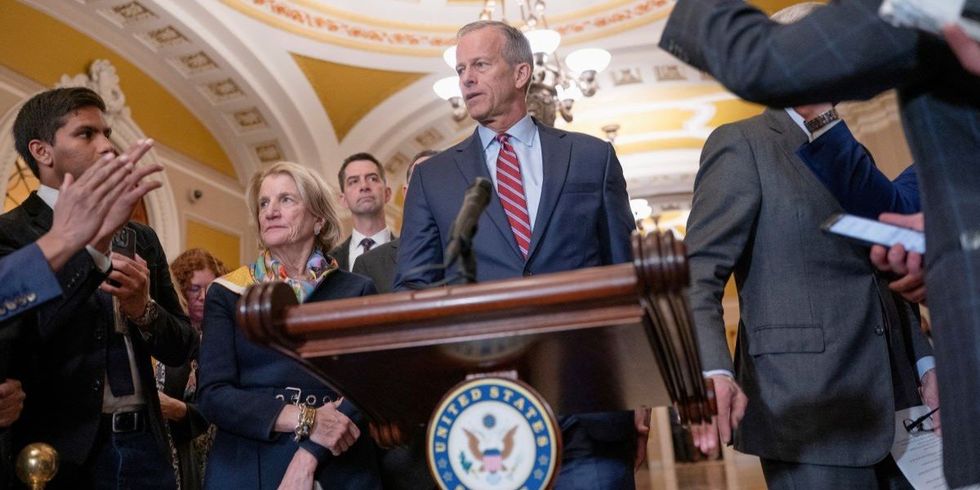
column 304, row 422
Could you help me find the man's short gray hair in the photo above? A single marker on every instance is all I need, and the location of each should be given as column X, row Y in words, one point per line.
column 516, row 48
column 795, row 12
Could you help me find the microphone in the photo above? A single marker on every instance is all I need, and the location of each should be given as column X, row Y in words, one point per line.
column 475, row 200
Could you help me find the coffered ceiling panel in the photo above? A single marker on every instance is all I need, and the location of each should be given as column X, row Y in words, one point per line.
column 57, row 49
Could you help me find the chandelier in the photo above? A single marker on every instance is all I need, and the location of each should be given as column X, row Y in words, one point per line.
column 556, row 83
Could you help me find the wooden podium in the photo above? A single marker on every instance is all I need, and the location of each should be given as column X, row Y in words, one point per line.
column 600, row 339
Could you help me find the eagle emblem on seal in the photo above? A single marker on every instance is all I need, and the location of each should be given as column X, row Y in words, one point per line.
column 492, row 458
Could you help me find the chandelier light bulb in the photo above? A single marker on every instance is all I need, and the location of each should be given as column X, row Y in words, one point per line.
column 588, row 59
column 570, row 93
column 447, row 88
column 449, row 56
column 543, row 40
column 641, row 208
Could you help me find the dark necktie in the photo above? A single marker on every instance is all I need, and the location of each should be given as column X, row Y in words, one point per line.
column 366, row 244
column 510, row 190
column 117, row 367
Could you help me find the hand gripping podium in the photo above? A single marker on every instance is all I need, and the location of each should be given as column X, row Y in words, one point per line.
column 487, row 365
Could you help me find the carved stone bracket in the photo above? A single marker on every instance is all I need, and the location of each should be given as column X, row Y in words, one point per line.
column 103, row 79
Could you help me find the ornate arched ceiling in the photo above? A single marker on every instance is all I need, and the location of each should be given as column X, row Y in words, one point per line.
column 313, row 81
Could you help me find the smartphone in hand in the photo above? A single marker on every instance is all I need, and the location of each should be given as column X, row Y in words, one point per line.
column 871, row 232
column 123, row 243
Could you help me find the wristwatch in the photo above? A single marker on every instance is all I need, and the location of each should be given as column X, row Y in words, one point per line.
column 150, row 313
column 825, row 118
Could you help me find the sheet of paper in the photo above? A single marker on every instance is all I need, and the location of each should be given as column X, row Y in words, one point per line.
column 920, row 454
column 932, row 15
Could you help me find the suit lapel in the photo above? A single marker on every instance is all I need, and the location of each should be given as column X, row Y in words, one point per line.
column 791, row 135
column 556, row 152
column 471, row 161
column 342, row 253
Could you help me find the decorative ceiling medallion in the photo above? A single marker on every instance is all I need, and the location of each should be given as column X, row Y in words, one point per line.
column 133, row 12
column 194, row 63
column 222, row 91
column 334, row 26
column 268, row 152
column 249, row 120
column 429, row 138
column 166, row 37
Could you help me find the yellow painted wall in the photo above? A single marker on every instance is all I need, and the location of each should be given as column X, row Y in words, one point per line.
column 347, row 92
column 221, row 244
column 42, row 48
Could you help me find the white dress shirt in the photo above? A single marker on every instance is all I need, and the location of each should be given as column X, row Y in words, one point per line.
column 355, row 249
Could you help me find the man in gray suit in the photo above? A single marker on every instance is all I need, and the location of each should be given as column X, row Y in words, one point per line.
column 845, row 51
column 817, row 328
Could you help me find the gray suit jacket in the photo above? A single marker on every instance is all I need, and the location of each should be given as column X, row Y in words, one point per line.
column 380, row 264
column 813, row 343
column 342, row 253
column 845, row 51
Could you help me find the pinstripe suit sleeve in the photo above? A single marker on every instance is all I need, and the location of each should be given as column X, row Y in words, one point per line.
column 841, row 51
column 727, row 198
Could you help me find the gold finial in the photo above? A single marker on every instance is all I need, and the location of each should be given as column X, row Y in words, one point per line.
column 37, row 464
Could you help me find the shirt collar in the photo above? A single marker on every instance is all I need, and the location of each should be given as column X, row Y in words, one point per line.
column 48, row 194
column 383, row 236
column 522, row 132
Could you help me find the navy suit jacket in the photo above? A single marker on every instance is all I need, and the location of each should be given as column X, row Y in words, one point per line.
column 26, row 281
column 243, row 387
column 848, row 171
column 583, row 220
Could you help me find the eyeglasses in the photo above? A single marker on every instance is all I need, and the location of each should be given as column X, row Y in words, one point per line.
column 193, row 291
column 921, row 424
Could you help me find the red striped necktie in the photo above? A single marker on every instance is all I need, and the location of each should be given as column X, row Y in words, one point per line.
column 510, row 189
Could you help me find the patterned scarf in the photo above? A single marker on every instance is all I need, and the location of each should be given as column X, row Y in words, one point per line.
column 269, row 269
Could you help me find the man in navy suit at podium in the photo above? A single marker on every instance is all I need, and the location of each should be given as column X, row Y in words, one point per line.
column 559, row 204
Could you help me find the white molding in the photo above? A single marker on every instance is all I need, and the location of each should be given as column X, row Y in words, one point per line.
column 130, row 41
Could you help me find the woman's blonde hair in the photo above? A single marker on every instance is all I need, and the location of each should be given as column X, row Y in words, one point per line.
column 313, row 192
